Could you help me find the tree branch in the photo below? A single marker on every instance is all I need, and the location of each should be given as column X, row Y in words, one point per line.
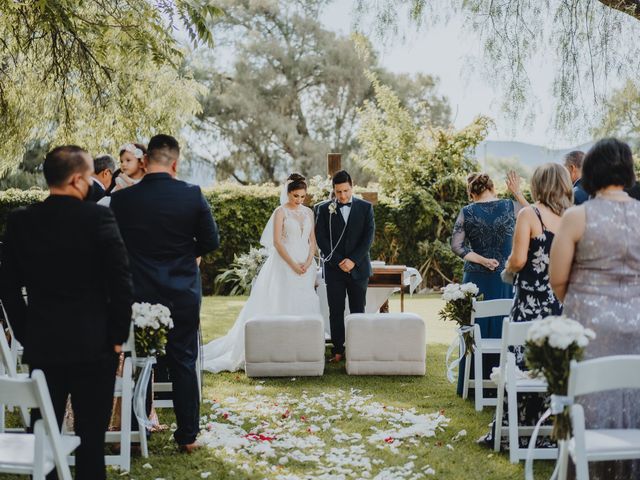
column 630, row 7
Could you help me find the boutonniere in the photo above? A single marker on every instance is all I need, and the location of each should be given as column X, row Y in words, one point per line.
column 332, row 208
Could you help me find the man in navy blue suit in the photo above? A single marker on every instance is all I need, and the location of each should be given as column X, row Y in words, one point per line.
column 166, row 225
column 344, row 232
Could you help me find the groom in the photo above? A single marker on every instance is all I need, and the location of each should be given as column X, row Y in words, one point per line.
column 344, row 232
column 166, row 224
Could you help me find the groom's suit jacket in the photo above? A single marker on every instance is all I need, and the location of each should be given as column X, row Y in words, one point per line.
column 166, row 223
column 355, row 243
column 70, row 257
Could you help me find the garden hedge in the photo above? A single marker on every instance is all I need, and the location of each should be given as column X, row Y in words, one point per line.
column 242, row 211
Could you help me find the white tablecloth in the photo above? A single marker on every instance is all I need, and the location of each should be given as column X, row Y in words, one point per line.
column 376, row 296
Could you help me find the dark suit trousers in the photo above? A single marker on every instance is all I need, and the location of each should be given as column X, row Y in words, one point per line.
column 181, row 358
column 339, row 285
column 90, row 385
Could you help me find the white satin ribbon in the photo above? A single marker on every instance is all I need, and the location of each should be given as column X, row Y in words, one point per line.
column 462, row 348
column 556, row 407
column 140, row 391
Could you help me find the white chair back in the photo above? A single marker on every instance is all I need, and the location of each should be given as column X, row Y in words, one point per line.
column 604, row 373
column 491, row 308
column 33, row 393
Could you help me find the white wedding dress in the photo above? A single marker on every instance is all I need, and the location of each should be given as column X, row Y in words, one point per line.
column 277, row 290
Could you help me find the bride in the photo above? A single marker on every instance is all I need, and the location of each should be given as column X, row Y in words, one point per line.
column 285, row 284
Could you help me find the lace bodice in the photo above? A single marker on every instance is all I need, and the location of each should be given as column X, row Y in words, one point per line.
column 297, row 225
column 487, row 229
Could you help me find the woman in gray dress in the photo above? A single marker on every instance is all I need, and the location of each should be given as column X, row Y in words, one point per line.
column 595, row 272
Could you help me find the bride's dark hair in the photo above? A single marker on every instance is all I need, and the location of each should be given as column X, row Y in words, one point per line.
column 296, row 182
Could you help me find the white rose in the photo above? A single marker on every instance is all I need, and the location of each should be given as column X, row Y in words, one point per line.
column 470, row 287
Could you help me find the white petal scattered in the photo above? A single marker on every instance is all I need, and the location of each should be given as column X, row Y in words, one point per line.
column 264, row 435
column 147, row 466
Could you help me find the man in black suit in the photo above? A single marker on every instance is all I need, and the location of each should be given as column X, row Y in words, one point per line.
column 103, row 167
column 344, row 232
column 166, row 224
column 69, row 255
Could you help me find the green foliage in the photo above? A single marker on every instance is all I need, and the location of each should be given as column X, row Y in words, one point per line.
column 587, row 40
column 238, row 279
column 422, row 172
column 292, row 93
column 14, row 198
column 150, row 341
column 621, row 116
column 94, row 73
column 241, row 213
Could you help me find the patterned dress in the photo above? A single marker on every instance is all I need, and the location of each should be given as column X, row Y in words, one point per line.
column 485, row 228
column 533, row 300
column 604, row 295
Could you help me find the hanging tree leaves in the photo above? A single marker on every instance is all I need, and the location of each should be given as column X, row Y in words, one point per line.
column 70, row 70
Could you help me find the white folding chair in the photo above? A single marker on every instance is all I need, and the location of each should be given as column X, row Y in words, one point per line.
column 167, row 387
column 40, row 452
column 483, row 346
column 595, row 445
column 8, row 368
column 514, row 334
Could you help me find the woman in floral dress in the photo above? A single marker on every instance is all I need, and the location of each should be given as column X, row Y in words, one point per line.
column 529, row 260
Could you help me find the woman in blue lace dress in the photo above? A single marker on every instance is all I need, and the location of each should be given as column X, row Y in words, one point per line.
column 529, row 260
column 482, row 236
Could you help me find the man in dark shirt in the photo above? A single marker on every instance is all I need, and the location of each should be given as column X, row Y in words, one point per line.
column 573, row 163
column 166, row 224
column 70, row 257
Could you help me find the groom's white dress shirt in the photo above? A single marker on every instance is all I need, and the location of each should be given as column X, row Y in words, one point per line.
column 345, row 211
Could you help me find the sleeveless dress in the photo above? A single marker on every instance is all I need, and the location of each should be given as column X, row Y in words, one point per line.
column 604, row 295
column 485, row 228
column 534, row 299
column 277, row 290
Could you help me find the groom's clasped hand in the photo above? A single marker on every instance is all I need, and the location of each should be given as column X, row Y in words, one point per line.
column 346, row 265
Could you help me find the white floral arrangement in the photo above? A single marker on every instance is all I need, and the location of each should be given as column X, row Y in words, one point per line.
column 455, row 291
column 152, row 323
column 459, row 308
column 238, row 279
column 552, row 343
column 320, row 187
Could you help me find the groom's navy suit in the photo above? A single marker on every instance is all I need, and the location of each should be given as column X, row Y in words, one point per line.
column 354, row 245
column 166, row 224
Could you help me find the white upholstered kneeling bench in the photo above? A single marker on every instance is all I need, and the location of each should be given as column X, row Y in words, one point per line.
column 284, row 346
column 385, row 344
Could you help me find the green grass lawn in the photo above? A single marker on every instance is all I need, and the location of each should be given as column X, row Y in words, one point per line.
column 429, row 394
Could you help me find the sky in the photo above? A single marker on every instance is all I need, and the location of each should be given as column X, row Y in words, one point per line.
column 446, row 51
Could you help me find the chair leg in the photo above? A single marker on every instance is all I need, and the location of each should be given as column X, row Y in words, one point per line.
column 563, row 459
column 512, row 409
column 125, row 420
column 478, row 378
column 465, row 379
column 497, row 428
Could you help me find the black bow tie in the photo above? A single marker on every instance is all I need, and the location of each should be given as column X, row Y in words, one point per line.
column 340, row 205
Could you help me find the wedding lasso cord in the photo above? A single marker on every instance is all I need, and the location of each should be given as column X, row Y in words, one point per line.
column 333, row 249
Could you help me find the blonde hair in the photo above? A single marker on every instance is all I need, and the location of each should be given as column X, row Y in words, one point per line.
column 551, row 186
